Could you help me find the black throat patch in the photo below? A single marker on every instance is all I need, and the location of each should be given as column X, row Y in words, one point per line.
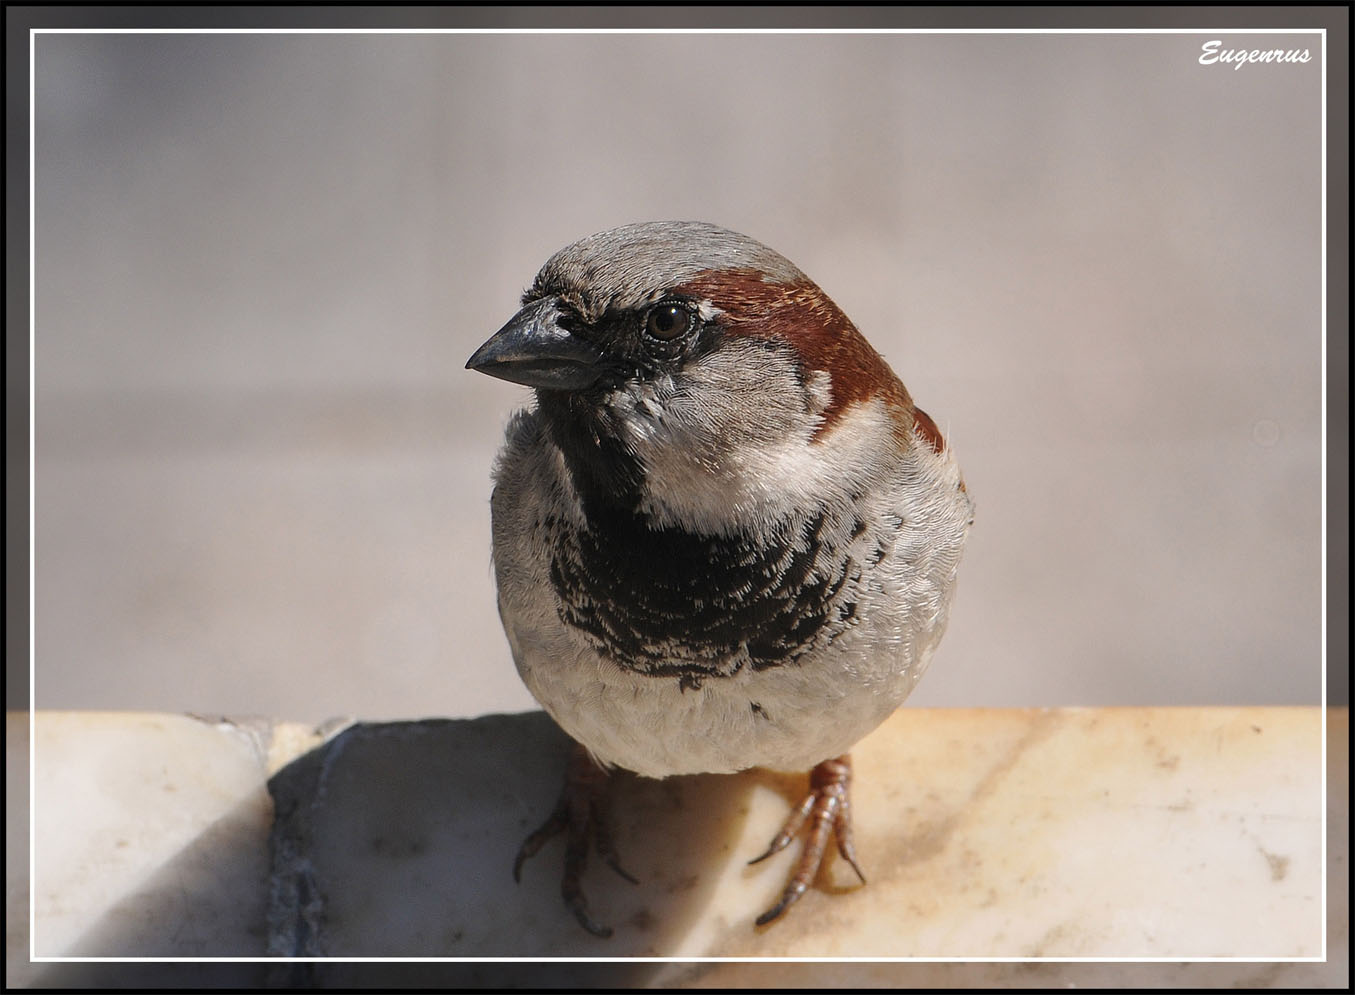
column 671, row 603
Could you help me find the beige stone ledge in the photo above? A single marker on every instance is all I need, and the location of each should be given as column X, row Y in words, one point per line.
column 1181, row 834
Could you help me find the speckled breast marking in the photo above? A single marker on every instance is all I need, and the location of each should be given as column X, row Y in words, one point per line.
column 669, row 603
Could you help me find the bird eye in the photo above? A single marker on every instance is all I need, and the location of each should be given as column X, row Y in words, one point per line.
column 668, row 321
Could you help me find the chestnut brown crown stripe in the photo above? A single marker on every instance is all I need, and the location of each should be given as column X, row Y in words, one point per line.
column 825, row 338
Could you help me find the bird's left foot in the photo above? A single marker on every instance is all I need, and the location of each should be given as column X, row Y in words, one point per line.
column 581, row 814
column 827, row 809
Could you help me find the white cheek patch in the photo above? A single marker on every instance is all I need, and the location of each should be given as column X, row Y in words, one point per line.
column 761, row 480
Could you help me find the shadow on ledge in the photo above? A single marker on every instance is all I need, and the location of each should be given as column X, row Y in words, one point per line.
column 398, row 840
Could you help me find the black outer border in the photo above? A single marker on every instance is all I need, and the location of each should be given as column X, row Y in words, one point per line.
column 19, row 19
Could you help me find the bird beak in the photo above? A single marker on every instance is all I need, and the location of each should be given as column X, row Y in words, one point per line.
column 536, row 350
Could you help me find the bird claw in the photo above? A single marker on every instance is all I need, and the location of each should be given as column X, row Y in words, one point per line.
column 581, row 814
column 828, row 810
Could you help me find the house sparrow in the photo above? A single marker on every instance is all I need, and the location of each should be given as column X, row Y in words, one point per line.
column 724, row 538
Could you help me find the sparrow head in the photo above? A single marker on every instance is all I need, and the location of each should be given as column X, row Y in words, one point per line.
column 695, row 374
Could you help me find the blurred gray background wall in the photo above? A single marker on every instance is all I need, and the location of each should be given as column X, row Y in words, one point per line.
column 262, row 473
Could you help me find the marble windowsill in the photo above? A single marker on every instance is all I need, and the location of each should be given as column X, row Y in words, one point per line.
column 1069, row 833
